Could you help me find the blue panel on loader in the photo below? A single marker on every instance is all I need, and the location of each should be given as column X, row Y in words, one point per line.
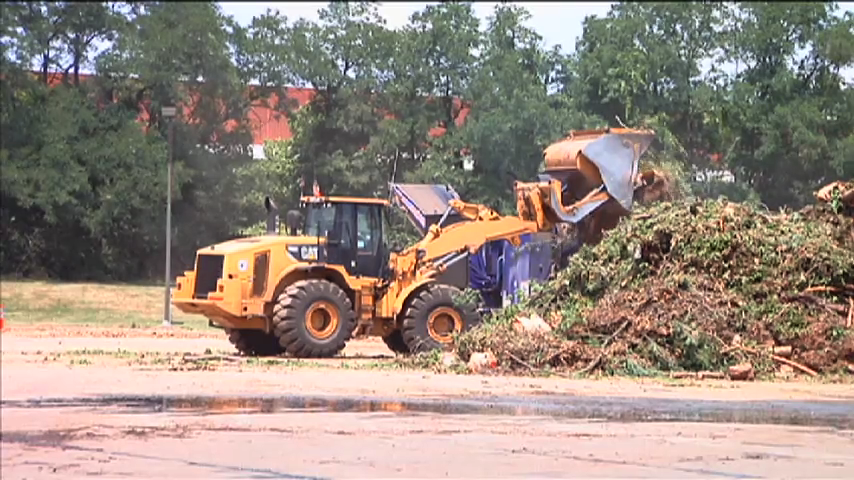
column 529, row 262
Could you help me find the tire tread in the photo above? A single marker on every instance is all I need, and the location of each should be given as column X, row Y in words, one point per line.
column 290, row 328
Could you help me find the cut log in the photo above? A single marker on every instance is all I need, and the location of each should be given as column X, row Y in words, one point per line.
column 742, row 371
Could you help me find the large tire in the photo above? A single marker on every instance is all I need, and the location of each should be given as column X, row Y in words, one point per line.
column 395, row 342
column 254, row 342
column 432, row 317
column 313, row 319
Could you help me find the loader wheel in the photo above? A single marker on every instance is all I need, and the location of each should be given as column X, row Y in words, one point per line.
column 254, row 342
column 432, row 319
column 394, row 341
column 313, row 318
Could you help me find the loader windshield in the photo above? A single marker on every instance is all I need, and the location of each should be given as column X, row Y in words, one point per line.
column 319, row 219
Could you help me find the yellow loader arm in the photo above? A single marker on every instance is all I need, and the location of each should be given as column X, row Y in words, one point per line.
column 590, row 180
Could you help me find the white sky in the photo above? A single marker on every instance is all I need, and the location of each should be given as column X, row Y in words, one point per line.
column 560, row 23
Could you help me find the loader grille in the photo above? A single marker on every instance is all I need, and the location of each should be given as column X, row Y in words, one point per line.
column 259, row 273
column 208, row 271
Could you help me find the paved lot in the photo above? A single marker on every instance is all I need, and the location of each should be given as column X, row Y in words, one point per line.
column 72, row 440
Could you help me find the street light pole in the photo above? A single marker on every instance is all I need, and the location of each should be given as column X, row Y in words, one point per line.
column 169, row 112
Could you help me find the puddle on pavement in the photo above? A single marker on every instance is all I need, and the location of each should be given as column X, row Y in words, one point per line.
column 620, row 409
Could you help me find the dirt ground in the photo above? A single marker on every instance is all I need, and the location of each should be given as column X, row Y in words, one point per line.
column 73, row 441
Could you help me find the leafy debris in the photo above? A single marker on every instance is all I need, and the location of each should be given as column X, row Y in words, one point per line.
column 679, row 287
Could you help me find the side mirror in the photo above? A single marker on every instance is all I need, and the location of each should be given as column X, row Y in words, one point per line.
column 293, row 221
column 272, row 216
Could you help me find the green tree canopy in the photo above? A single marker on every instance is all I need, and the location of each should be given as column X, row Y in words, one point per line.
column 756, row 90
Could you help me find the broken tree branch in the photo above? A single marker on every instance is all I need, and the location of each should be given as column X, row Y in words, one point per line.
column 808, row 299
column 786, row 361
column 847, row 290
column 850, row 320
column 593, row 364
column 207, row 358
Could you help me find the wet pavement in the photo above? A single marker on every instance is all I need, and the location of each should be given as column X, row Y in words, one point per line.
column 835, row 414
column 285, row 436
column 76, row 443
column 64, row 420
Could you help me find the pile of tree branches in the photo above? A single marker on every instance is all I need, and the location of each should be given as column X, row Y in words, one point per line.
column 694, row 287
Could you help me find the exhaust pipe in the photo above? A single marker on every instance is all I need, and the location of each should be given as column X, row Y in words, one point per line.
column 272, row 216
column 293, row 221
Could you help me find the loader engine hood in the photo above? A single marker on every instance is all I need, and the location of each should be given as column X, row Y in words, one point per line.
column 300, row 248
column 250, row 244
column 221, row 269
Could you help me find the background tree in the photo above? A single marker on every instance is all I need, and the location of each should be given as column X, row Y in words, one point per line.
column 513, row 116
column 83, row 184
column 342, row 57
column 180, row 54
column 788, row 114
column 753, row 90
column 642, row 65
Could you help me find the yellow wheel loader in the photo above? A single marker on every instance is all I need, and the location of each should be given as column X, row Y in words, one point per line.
column 308, row 294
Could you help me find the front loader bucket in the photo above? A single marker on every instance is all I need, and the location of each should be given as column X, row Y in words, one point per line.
column 590, row 159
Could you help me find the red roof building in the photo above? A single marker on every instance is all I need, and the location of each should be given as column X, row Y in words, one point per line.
column 266, row 120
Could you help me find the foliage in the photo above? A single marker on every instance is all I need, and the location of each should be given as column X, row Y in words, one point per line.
column 84, row 185
column 677, row 287
column 271, row 176
column 77, row 190
column 789, row 113
column 755, row 90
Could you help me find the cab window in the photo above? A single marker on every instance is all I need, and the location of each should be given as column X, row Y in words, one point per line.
column 319, row 220
column 368, row 228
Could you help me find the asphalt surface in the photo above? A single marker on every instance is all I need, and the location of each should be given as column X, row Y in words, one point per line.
column 109, row 417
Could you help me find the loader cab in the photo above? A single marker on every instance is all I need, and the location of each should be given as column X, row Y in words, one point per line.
column 355, row 230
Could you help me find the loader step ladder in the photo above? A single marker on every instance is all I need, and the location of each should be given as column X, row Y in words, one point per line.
column 366, row 304
column 364, row 311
